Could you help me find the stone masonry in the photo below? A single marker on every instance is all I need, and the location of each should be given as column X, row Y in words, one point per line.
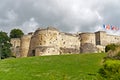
column 50, row 41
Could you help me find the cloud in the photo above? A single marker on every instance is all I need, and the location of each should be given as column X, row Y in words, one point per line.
column 66, row 15
column 30, row 25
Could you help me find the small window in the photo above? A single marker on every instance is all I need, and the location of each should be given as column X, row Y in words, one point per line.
column 33, row 52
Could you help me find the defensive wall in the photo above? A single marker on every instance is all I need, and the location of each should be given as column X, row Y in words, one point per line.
column 50, row 41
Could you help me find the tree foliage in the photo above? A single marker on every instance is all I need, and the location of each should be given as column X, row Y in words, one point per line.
column 16, row 33
column 113, row 51
column 4, row 45
column 111, row 47
column 111, row 65
column 110, row 70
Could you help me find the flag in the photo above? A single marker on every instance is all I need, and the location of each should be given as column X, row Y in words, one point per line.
column 107, row 27
column 114, row 28
column 110, row 27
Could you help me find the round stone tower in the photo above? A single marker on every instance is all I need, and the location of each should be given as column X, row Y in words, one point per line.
column 24, row 47
column 43, row 37
column 88, row 43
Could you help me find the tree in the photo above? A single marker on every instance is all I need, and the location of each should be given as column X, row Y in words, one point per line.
column 111, row 47
column 4, row 45
column 16, row 33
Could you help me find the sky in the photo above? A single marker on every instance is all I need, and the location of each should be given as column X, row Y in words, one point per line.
column 65, row 15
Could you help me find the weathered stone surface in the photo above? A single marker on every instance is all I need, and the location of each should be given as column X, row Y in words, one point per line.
column 69, row 51
column 49, row 41
column 88, row 48
column 46, row 50
column 24, row 47
column 15, row 46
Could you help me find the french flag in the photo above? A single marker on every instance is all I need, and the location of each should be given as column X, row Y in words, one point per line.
column 107, row 27
column 110, row 27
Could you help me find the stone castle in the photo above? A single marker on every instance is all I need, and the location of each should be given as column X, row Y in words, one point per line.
column 50, row 41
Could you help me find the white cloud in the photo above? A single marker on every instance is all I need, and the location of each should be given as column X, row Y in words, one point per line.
column 67, row 15
column 11, row 15
column 30, row 26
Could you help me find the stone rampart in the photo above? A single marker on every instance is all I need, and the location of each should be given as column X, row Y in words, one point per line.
column 88, row 43
column 69, row 43
column 24, row 47
column 50, row 41
column 15, row 46
column 43, row 37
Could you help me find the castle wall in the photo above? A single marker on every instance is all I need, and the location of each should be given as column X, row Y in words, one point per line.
column 104, row 39
column 50, row 41
column 15, row 46
column 113, row 39
column 69, row 43
column 101, row 38
column 44, row 37
column 88, row 38
column 15, row 42
column 24, row 47
column 88, row 43
column 46, row 50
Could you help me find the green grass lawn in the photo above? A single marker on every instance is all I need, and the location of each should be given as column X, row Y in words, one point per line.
column 63, row 67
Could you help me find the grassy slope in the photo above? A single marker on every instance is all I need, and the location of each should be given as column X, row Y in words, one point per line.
column 64, row 67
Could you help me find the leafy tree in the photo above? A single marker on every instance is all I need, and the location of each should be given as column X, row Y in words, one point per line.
column 4, row 45
column 16, row 33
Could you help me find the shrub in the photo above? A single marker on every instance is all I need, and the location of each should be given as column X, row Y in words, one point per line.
column 111, row 65
column 114, row 54
column 111, row 47
column 110, row 70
